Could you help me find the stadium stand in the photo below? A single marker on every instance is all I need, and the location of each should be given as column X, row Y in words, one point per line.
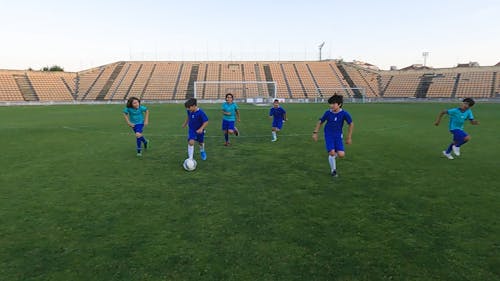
column 51, row 86
column 162, row 80
column 9, row 91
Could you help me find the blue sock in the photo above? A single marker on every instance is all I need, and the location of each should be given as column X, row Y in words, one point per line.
column 448, row 150
column 226, row 137
column 138, row 141
column 142, row 139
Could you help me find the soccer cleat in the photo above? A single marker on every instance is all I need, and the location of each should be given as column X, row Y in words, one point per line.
column 456, row 150
column 203, row 155
column 227, row 143
column 146, row 144
column 334, row 174
column 448, row 155
column 139, row 154
column 236, row 132
column 274, row 139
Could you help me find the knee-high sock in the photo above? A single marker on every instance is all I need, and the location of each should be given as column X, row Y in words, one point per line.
column 190, row 151
column 331, row 160
column 138, row 142
column 226, row 136
column 202, row 147
column 142, row 139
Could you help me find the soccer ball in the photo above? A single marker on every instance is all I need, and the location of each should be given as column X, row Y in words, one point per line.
column 189, row 165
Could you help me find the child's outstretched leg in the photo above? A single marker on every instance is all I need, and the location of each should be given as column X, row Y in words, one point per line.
column 190, row 149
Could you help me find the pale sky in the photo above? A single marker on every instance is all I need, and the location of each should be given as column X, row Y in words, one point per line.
column 78, row 35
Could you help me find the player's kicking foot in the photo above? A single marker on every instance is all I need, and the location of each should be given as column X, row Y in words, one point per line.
column 334, row 174
column 236, row 132
column 448, row 155
column 203, row 155
column 456, row 150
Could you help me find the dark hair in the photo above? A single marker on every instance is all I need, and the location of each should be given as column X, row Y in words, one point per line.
column 276, row 100
column 470, row 101
column 190, row 102
column 229, row 94
column 339, row 99
column 131, row 100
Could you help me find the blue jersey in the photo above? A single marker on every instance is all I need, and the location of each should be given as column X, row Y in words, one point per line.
column 135, row 115
column 231, row 108
column 278, row 114
column 196, row 119
column 458, row 117
column 335, row 121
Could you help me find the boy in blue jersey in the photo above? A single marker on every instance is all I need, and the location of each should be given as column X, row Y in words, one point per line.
column 137, row 117
column 231, row 114
column 197, row 121
column 278, row 114
column 335, row 118
column 456, row 126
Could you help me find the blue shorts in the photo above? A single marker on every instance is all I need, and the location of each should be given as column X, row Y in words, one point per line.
column 278, row 124
column 192, row 135
column 138, row 128
column 458, row 135
column 227, row 125
column 334, row 142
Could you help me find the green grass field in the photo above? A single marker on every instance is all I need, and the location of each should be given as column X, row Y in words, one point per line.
column 77, row 204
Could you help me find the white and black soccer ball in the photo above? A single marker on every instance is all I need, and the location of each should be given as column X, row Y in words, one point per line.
column 189, row 165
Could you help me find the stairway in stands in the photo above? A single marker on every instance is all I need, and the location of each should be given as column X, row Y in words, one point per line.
column 26, row 88
column 357, row 93
column 111, row 80
column 192, row 78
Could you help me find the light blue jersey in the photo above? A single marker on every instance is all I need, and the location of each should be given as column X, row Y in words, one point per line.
column 231, row 108
column 457, row 118
column 135, row 115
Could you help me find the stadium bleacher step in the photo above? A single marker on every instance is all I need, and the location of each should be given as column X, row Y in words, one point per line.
column 26, row 88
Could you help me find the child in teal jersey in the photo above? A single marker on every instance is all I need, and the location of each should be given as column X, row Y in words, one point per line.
column 137, row 117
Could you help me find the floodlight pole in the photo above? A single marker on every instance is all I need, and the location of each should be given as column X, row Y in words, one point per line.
column 320, row 47
column 425, row 55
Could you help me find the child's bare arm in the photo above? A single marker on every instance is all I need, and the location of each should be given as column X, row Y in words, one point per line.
column 127, row 120
column 438, row 120
column 203, row 126
column 146, row 118
column 315, row 132
column 185, row 122
column 349, row 133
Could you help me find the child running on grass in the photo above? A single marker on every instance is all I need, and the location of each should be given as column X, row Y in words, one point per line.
column 137, row 117
column 231, row 114
column 278, row 114
column 335, row 118
column 458, row 116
